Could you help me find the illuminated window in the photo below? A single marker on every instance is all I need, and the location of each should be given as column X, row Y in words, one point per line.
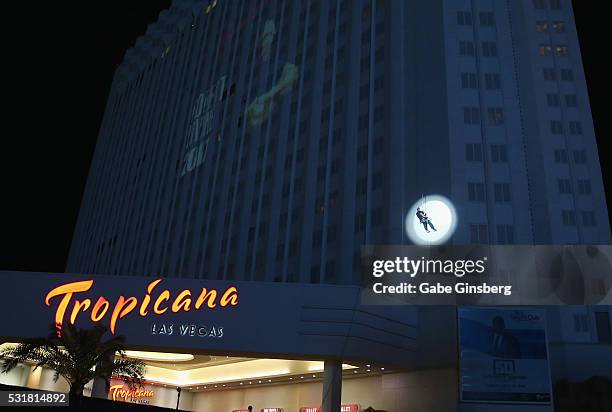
column 562, row 50
column 559, row 26
column 541, row 26
column 496, row 116
column 545, row 49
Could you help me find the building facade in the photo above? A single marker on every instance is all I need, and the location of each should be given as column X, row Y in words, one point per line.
column 269, row 140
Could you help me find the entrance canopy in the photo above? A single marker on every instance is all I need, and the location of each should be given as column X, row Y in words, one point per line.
column 237, row 319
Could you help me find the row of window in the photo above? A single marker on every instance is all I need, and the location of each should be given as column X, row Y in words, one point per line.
column 487, row 19
column 568, row 217
column 479, row 233
column 469, row 80
column 543, row 26
column 547, row 50
column 575, row 127
column 474, row 153
column 541, row 4
column 561, row 156
column 583, row 185
column 554, row 100
column 501, row 192
column 467, row 48
column 495, row 115
column 550, row 74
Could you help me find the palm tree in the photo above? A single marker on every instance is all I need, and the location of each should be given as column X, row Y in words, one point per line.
column 77, row 355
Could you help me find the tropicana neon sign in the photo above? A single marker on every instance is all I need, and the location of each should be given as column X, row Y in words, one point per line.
column 183, row 302
column 117, row 391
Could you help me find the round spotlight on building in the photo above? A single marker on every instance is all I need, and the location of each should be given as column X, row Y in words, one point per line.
column 432, row 220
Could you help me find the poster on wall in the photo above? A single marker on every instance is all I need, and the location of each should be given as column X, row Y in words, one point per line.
column 503, row 356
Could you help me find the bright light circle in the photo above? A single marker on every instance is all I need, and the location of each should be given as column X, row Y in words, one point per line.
column 442, row 215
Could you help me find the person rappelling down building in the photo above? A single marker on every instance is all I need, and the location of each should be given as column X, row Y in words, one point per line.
column 424, row 219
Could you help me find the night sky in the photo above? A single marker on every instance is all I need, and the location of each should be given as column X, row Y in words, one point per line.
column 65, row 62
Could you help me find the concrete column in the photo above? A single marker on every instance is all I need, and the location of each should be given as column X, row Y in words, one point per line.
column 332, row 385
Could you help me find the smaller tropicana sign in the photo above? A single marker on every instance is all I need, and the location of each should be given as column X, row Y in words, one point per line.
column 161, row 302
column 137, row 395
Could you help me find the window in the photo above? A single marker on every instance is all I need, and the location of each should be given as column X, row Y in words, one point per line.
column 505, row 234
column 496, row 116
column 602, row 323
column 545, row 49
column 555, row 4
column 559, row 26
column 539, row 4
column 549, row 74
column 466, row 48
column 584, row 186
column 376, row 216
column 478, row 233
column 552, row 100
column 575, row 128
column 580, row 156
column 499, row 153
column 568, row 217
column 541, row 26
column 562, row 50
column 588, row 218
column 581, row 322
column 567, row 75
column 473, row 152
column 476, row 192
column 571, row 100
column 556, row 127
column 468, row 81
column 487, row 19
column 464, row 18
column 471, row 115
column 492, row 81
column 565, row 186
column 489, row 49
column 502, row 192
column 560, row 156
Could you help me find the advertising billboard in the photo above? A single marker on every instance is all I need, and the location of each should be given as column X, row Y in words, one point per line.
column 503, row 356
